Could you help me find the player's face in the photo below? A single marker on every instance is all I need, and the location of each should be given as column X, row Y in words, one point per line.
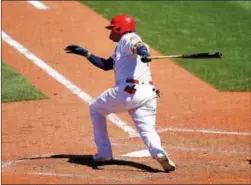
column 114, row 36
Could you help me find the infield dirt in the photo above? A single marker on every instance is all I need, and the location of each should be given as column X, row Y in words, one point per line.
column 61, row 124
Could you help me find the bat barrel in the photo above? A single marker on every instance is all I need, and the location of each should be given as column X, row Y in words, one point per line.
column 202, row 55
column 218, row 54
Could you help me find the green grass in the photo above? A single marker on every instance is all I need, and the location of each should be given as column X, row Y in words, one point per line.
column 17, row 88
column 244, row 4
column 174, row 27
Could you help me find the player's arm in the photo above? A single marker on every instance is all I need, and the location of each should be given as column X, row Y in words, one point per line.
column 105, row 64
column 140, row 49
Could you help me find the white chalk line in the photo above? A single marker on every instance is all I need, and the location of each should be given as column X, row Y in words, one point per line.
column 139, row 153
column 69, row 85
column 38, row 5
column 171, row 129
column 183, row 148
column 58, row 174
column 84, row 176
column 125, row 144
column 135, row 154
column 73, row 175
column 10, row 163
column 145, row 153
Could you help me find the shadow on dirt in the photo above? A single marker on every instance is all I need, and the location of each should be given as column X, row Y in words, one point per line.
column 87, row 160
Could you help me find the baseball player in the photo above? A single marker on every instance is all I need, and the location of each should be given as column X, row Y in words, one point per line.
column 134, row 90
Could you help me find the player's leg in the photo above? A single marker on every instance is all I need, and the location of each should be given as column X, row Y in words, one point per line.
column 104, row 150
column 144, row 118
column 103, row 105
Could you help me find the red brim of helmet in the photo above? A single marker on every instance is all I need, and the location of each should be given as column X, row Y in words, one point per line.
column 109, row 27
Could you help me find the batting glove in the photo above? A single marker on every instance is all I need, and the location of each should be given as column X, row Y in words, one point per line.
column 76, row 50
column 145, row 58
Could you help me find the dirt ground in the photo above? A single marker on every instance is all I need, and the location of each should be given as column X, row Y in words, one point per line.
column 206, row 132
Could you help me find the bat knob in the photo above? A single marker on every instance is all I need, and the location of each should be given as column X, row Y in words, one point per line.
column 218, row 54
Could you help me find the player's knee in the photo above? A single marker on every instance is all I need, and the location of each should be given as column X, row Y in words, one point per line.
column 92, row 107
column 96, row 108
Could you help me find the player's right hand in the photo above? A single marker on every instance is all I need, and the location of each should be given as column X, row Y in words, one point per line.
column 145, row 58
column 76, row 50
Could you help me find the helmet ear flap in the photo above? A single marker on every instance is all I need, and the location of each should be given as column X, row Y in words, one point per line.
column 117, row 29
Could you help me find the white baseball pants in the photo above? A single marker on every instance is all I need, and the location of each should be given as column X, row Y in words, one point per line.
column 142, row 108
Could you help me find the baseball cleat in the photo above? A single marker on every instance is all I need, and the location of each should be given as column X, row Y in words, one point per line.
column 98, row 158
column 166, row 163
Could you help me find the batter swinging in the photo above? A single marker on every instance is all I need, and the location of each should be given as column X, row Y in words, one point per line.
column 134, row 90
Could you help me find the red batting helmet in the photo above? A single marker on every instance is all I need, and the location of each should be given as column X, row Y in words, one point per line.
column 121, row 24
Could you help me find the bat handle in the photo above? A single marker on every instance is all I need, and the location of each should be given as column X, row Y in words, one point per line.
column 162, row 57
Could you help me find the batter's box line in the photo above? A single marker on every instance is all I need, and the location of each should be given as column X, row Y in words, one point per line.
column 204, row 131
column 24, row 159
column 143, row 168
column 145, row 152
column 85, row 176
column 192, row 130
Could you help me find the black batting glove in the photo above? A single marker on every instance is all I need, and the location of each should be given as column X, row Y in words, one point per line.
column 145, row 58
column 76, row 50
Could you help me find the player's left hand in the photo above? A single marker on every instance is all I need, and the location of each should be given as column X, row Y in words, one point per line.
column 145, row 58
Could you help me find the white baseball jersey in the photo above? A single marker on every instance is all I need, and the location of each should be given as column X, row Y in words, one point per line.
column 128, row 65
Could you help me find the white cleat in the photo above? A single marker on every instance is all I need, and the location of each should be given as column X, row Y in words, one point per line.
column 98, row 158
column 166, row 163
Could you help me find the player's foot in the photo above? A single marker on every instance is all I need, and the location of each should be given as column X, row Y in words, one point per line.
column 99, row 158
column 166, row 163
